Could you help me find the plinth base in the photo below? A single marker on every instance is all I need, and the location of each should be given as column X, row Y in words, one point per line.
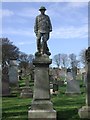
column 41, row 115
column 26, row 93
column 84, row 112
column 42, row 104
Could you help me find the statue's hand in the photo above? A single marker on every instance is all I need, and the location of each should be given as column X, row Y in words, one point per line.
column 50, row 30
column 36, row 34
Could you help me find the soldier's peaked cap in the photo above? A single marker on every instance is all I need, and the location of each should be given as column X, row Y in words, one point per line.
column 42, row 8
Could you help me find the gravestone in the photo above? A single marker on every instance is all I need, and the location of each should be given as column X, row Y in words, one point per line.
column 72, row 86
column 84, row 112
column 5, row 81
column 41, row 107
column 55, row 86
column 51, row 88
column 26, row 91
column 84, row 78
column 74, row 72
column 13, row 73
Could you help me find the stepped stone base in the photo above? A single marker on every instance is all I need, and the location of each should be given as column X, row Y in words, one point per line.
column 41, row 115
column 42, row 104
column 84, row 112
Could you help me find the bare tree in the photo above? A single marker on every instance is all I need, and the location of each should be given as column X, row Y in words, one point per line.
column 74, row 64
column 73, row 60
column 65, row 60
column 25, row 62
column 82, row 57
column 57, row 60
column 30, row 58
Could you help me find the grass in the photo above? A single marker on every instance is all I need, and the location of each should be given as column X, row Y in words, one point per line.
column 15, row 107
column 67, row 106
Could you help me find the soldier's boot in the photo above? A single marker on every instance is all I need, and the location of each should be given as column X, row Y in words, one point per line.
column 47, row 50
column 44, row 48
column 38, row 53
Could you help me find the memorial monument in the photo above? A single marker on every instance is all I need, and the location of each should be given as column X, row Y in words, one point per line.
column 42, row 107
column 84, row 112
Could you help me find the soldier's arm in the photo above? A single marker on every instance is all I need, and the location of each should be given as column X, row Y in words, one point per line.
column 36, row 26
column 50, row 25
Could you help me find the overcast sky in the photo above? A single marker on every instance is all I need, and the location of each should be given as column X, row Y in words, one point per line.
column 69, row 21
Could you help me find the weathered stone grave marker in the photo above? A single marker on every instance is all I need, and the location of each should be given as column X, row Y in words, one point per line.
column 72, row 86
column 13, row 73
column 84, row 112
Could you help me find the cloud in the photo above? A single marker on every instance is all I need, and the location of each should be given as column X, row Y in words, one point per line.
column 77, row 4
column 68, row 20
column 64, row 32
column 68, row 32
column 69, row 13
column 46, row 1
column 6, row 12
column 25, row 43
column 17, row 21
column 21, row 32
column 28, row 12
column 0, row 13
column 70, row 7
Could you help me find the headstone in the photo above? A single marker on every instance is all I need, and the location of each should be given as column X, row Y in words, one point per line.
column 5, row 81
column 26, row 91
column 72, row 86
column 84, row 78
column 84, row 112
column 74, row 72
column 55, row 86
column 41, row 107
column 51, row 88
column 13, row 73
column 20, row 74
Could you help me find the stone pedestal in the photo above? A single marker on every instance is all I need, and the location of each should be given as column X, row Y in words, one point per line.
column 84, row 112
column 41, row 107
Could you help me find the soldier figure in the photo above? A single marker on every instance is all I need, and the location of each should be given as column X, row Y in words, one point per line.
column 42, row 29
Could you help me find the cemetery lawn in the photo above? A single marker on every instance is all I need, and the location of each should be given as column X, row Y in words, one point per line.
column 16, row 108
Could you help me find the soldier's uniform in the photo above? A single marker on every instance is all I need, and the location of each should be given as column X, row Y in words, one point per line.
column 42, row 29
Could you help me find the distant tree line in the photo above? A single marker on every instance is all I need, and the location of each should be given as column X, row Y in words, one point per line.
column 65, row 61
column 12, row 52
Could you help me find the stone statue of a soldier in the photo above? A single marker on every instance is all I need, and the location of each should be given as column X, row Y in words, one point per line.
column 42, row 30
